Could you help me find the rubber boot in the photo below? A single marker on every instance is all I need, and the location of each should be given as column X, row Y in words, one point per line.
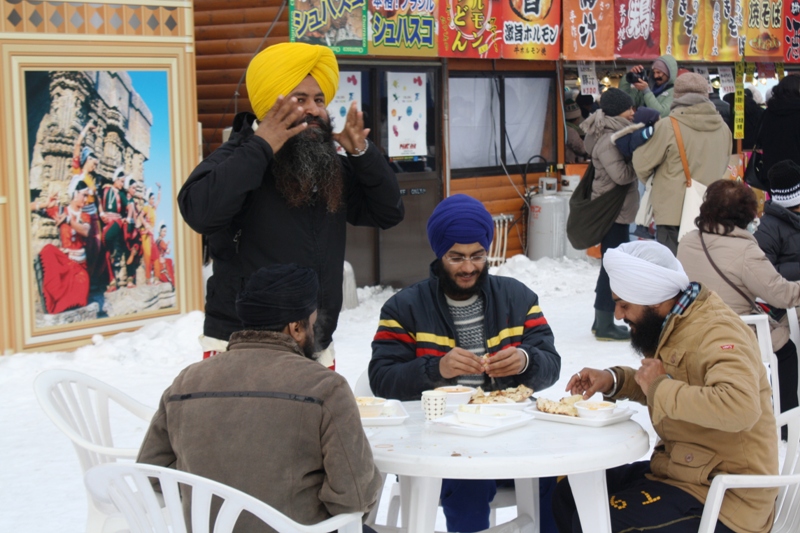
column 607, row 330
column 594, row 324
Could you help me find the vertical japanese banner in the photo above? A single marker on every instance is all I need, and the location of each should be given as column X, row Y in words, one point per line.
column 724, row 36
column 470, row 28
column 403, row 27
column 349, row 91
column 341, row 25
column 588, row 33
column 588, row 77
column 684, row 36
column 738, row 102
column 407, row 114
column 791, row 29
column 637, row 27
column 531, row 29
column 764, row 30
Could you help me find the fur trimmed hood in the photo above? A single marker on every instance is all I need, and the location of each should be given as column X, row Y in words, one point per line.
column 624, row 131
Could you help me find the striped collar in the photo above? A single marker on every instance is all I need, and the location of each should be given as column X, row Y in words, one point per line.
column 686, row 299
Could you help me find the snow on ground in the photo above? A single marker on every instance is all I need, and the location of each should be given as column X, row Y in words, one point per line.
column 39, row 471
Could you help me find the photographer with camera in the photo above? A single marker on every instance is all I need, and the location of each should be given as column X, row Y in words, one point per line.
column 652, row 87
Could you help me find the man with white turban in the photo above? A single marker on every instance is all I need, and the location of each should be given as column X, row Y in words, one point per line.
column 707, row 394
column 277, row 192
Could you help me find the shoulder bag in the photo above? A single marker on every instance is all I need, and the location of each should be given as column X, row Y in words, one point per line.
column 758, row 310
column 589, row 220
column 693, row 195
column 753, row 173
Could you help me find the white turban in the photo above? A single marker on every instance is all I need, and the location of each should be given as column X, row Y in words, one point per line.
column 644, row 272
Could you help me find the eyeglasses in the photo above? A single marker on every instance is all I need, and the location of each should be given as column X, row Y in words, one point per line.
column 477, row 259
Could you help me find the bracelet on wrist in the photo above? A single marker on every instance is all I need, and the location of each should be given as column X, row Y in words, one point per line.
column 613, row 390
column 359, row 153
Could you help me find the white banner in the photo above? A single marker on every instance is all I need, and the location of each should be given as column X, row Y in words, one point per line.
column 407, row 113
column 588, row 77
column 726, row 82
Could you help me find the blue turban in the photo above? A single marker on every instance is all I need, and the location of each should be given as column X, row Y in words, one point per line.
column 86, row 153
column 459, row 219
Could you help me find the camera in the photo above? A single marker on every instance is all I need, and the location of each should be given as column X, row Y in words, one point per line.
column 634, row 77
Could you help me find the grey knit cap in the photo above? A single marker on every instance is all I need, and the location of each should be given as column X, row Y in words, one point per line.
column 614, row 102
column 689, row 82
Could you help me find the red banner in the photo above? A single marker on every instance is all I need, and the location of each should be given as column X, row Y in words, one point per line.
column 637, row 25
column 470, row 28
column 588, row 32
column 791, row 31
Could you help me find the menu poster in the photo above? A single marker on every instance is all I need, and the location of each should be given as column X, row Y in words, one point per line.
column 726, row 81
column 588, row 33
column 685, row 22
column 532, row 29
column 588, row 78
column 637, row 28
column 791, row 31
column 469, row 28
column 407, row 114
column 703, row 71
column 764, row 30
column 349, row 91
column 341, row 25
column 403, row 27
column 724, row 39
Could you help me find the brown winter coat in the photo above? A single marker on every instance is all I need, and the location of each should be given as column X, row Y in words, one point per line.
column 715, row 415
column 290, row 436
column 739, row 257
column 707, row 141
column 610, row 167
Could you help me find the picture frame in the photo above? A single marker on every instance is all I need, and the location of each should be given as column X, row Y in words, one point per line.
column 90, row 135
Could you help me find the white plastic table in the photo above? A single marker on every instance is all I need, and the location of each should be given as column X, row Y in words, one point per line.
column 422, row 457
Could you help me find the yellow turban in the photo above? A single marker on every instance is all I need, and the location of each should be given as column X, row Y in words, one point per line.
column 280, row 68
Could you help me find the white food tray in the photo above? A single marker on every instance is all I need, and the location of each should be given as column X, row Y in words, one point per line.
column 451, row 424
column 620, row 414
column 399, row 416
column 519, row 406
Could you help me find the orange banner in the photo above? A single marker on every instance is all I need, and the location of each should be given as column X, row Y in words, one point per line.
column 588, row 30
column 469, row 28
column 531, row 29
column 764, row 30
column 724, row 35
column 682, row 35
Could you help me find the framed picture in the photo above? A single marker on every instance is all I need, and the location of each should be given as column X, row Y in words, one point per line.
column 96, row 148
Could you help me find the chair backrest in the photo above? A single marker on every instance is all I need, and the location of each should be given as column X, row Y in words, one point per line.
column 129, row 487
column 787, row 506
column 761, row 323
column 362, row 387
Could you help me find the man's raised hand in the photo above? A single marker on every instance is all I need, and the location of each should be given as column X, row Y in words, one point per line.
column 277, row 126
column 353, row 137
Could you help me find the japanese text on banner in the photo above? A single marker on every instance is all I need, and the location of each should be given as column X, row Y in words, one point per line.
column 341, row 25
column 403, row 27
column 468, row 28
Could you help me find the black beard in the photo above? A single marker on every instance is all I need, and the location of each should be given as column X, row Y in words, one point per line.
column 646, row 333
column 307, row 168
column 309, row 346
column 453, row 289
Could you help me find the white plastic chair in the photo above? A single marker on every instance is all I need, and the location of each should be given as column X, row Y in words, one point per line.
column 129, row 488
column 761, row 322
column 787, row 506
column 79, row 406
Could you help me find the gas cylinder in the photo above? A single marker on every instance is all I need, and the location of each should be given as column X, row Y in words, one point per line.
column 568, row 184
column 546, row 221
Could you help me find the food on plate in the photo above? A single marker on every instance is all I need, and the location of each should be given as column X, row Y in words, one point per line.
column 565, row 406
column 455, row 389
column 509, row 395
column 370, row 406
column 765, row 42
column 590, row 409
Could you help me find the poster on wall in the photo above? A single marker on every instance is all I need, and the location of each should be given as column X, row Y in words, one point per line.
column 403, row 27
column 764, row 30
column 588, row 33
column 588, row 78
column 349, row 91
column 637, row 27
column 684, row 29
column 791, row 31
column 99, row 166
column 341, row 25
column 407, row 114
column 470, row 28
column 724, row 36
column 532, row 29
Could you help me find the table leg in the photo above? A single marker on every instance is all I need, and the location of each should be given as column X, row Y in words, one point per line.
column 527, row 494
column 591, row 499
column 420, row 499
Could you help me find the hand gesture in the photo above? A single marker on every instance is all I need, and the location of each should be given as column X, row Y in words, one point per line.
column 648, row 372
column 637, row 69
column 459, row 362
column 277, row 126
column 589, row 381
column 641, row 85
column 353, row 137
column 507, row 362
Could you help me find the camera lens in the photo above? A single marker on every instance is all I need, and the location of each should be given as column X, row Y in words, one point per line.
column 632, row 77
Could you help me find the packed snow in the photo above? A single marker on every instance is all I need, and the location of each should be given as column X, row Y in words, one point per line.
column 41, row 477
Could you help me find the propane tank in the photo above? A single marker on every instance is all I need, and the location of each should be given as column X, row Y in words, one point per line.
column 546, row 221
column 568, row 184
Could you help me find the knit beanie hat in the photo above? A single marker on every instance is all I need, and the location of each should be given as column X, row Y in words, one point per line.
column 571, row 109
column 784, row 183
column 459, row 219
column 614, row 102
column 660, row 64
column 691, row 83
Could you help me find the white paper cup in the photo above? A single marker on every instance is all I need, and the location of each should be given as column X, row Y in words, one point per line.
column 434, row 403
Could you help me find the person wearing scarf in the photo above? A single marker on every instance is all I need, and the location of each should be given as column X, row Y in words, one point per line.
column 655, row 93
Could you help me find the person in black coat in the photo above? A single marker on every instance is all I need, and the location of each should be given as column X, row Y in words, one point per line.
column 779, row 133
column 277, row 192
column 778, row 233
column 752, row 119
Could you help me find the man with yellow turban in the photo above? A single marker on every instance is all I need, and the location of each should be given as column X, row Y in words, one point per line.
column 277, row 192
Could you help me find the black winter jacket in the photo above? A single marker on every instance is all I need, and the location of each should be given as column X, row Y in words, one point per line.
column 231, row 198
column 779, row 133
column 778, row 236
column 416, row 330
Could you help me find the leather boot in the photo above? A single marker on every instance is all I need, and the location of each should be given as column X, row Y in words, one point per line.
column 607, row 330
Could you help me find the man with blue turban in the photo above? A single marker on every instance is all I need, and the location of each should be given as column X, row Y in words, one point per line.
column 278, row 192
column 463, row 326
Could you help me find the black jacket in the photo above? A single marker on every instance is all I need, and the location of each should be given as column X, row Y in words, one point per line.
column 231, row 198
column 778, row 235
column 779, row 134
column 416, row 330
